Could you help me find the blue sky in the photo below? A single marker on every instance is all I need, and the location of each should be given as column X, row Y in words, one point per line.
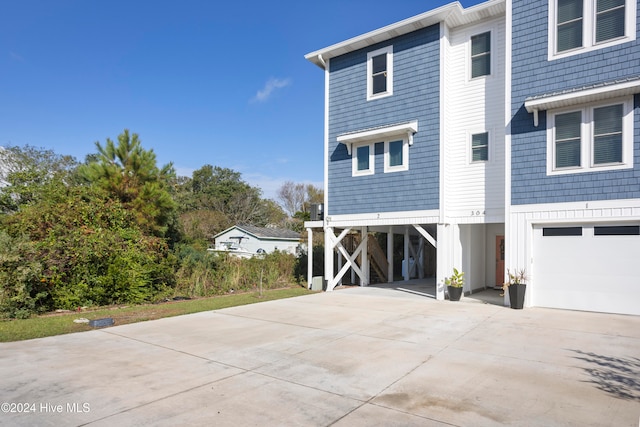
column 201, row 82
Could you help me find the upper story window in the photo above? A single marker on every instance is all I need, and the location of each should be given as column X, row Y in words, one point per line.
column 609, row 20
column 396, row 155
column 480, row 147
column 481, row 55
column 578, row 26
column 590, row 138
column 363, row 160
column 380, row 73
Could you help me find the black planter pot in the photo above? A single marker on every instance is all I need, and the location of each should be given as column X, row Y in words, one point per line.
column 516, row 296
column 454, row 293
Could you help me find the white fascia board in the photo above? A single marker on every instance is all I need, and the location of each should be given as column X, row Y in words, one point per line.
column 384, row 218
column 585, row 96
column 225, row 231
column 453, row 14
column 313, row 224
column 370, row 135
column 629, row 208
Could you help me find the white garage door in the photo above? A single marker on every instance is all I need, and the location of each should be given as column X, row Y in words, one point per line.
column 594, row 267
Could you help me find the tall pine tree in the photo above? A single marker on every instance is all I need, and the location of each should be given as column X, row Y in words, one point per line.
column 129, row 173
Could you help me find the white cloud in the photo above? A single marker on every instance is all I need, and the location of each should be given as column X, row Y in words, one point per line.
column 272, row 84
column 14, row 56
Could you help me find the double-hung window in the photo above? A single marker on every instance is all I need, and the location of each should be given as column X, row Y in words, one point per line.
column 610, row 20
column 581, row 25
column 380, row 73
column 568, row 140
column 480, row 147
column 481, row 55
column 590, row 138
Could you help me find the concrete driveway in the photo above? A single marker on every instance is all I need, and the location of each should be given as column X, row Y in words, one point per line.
column 353, row 357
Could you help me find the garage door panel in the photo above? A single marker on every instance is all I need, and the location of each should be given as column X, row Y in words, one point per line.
column 587, row 272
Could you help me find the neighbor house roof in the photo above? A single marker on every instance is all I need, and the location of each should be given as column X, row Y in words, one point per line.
column 453, row 14
column 265, row 233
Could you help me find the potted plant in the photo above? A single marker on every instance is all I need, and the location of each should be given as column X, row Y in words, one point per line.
column 517, row 287
column 454, row 285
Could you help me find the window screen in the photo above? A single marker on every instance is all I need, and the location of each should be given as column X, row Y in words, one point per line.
column 570, row 17
column 363, row 158
column 379, row 73
column 609, row 20
column 480, row 147
column 481, row 55
column 607, row 134
column 567, row 128
column 395, row 153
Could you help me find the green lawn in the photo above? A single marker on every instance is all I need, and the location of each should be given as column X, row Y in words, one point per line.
column 57, row 324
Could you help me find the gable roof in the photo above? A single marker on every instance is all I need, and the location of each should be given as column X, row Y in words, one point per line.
column 265, row 233
column 453, row 14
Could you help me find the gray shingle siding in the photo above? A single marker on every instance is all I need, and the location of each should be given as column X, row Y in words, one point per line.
column 416, row 95
column 532, row 75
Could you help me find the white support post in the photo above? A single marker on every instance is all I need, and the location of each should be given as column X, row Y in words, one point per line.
column 364, row 280
column 328, row 257
column 443, row 258
column 406, row 254
column 420, row 259
column 309, row 257
column 390, row 255
column 340, row 266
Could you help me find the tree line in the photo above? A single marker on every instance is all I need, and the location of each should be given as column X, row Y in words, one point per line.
column 117, row 228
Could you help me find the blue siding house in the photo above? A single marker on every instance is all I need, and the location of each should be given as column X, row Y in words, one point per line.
column 575, row 147
column 501, row 137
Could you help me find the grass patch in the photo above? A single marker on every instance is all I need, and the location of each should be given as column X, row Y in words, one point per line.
column 58, row 324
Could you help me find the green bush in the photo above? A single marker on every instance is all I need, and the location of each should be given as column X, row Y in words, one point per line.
column 79, row 248
column 22, row 291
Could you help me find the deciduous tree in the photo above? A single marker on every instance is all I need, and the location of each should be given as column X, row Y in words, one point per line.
column 25, row 170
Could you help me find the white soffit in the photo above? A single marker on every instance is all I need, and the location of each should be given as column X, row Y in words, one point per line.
column 373, row 134
column 453, row 14
column 581, row 96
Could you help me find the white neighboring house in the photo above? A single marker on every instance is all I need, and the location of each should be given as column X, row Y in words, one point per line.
column 248, row 240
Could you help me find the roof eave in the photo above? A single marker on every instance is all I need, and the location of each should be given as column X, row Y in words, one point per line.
column 453, row 14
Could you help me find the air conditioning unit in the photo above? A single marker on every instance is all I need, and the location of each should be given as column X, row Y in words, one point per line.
column 317, row 212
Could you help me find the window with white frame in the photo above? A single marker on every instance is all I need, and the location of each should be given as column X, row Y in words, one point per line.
column 363, row 159
column 480, row 147
column 396, row 155
column 481, row 55
column 380, row 73
column 590, row 138
column 577, row 26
